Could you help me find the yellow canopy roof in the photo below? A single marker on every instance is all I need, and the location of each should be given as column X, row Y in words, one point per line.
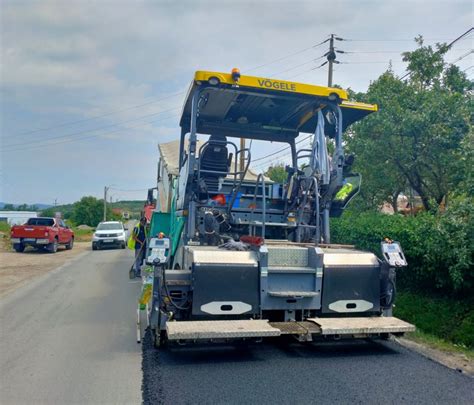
column 262, row 108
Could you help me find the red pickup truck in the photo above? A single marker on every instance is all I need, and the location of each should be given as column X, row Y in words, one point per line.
column 42, row 233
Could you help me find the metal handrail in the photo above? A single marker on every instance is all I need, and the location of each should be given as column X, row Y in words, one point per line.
column 312, row 180
column 264, row 202
column 242, row 176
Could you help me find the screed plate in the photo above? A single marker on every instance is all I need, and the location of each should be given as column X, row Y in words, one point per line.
column 220, row 329
column 350, row 326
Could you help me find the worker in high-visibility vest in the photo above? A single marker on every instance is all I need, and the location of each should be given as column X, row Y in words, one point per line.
column 344, row 192
column 137, row 241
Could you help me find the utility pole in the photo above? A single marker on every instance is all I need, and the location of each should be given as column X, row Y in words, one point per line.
column 331, row 57
column 55, row 201
column 106, row 189
column 242, row 155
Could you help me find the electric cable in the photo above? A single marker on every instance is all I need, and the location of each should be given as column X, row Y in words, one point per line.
column 287, row 56
column 449, row 46
column 86, row 137
column 98, row 116
column 93, row 130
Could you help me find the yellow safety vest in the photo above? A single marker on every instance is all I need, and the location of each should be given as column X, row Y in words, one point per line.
column 131, row 241
column 344, row 192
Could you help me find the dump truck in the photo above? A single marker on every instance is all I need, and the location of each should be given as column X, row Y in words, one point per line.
column 238, row 256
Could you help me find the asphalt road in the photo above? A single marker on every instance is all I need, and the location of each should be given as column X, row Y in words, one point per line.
column 292, row 373
column 70, row 338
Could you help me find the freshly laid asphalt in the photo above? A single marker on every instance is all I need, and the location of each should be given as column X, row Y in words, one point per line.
column 283, row 372
column 69, row 337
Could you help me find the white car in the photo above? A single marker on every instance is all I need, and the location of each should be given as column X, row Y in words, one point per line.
column 109, row 234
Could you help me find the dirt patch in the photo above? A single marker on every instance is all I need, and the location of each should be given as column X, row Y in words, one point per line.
column 456, row 361
column 16, row 269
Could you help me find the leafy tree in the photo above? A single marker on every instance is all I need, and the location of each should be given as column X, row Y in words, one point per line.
column 49, row 212
column 21, row 207
column 418, row 137
column 277, row 173
column 88, row 211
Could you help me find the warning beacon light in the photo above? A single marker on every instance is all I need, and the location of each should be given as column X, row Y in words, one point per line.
column 235, row 74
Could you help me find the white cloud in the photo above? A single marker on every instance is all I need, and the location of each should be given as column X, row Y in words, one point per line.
column 65, row 61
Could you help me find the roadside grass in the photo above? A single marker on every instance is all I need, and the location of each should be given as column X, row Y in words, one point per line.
column 442, row 323
column 83, row 235
column 5, row 236
column 439, row 344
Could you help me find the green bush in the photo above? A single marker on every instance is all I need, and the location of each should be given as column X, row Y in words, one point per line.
column 438, row 248
column 446, row 318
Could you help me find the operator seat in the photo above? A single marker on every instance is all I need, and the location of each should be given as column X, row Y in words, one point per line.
column 214, row 158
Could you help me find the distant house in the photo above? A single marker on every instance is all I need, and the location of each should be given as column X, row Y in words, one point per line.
column 117, row 211
column 17, row 217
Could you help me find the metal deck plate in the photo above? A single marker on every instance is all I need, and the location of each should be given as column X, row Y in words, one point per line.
column 297, row 328
column 350, row 326
column 220, row 329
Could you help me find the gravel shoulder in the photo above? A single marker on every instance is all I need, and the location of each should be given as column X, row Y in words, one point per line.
column 17, row 269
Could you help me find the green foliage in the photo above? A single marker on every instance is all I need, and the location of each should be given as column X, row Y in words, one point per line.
column 418, row 137
column 438, row 247
column 277, row 173
column 5, row 236
column 4, row 227
column 83, row 235
column 425, row 64
column 448, row 319
column 88, row 211
column 65, row 210
column 21, row 207
column 68, row 211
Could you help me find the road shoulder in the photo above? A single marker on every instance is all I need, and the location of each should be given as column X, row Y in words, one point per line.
column 456, row 361
column 19, row 270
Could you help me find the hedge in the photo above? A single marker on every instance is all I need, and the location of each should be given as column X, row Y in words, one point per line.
column 438, row 247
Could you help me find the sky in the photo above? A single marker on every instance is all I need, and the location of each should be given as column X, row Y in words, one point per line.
column 89, row 88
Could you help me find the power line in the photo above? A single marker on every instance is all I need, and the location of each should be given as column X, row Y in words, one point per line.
column 128, row 191
column 448, row 46
column 158, row 100
column 287, row 56
column 462, row 56
column 280, row 150
column 93, row 130
column 396, row 40
column 87, row 137
column 397, row 52
column 285, row 156
column 307, row 71
column 98, row 116
column 370, row 61
column 297, row 66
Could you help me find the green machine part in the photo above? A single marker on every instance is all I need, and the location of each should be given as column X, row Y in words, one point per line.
column 160, row 222
column 168, row 223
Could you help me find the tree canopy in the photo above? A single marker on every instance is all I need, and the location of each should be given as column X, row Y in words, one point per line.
column 277, row 173
column 419, row 136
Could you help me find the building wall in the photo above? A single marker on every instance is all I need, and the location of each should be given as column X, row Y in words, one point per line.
column 17, row 217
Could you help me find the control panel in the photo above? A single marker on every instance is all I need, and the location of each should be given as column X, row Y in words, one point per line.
column 158, row 248
column 393, row 254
